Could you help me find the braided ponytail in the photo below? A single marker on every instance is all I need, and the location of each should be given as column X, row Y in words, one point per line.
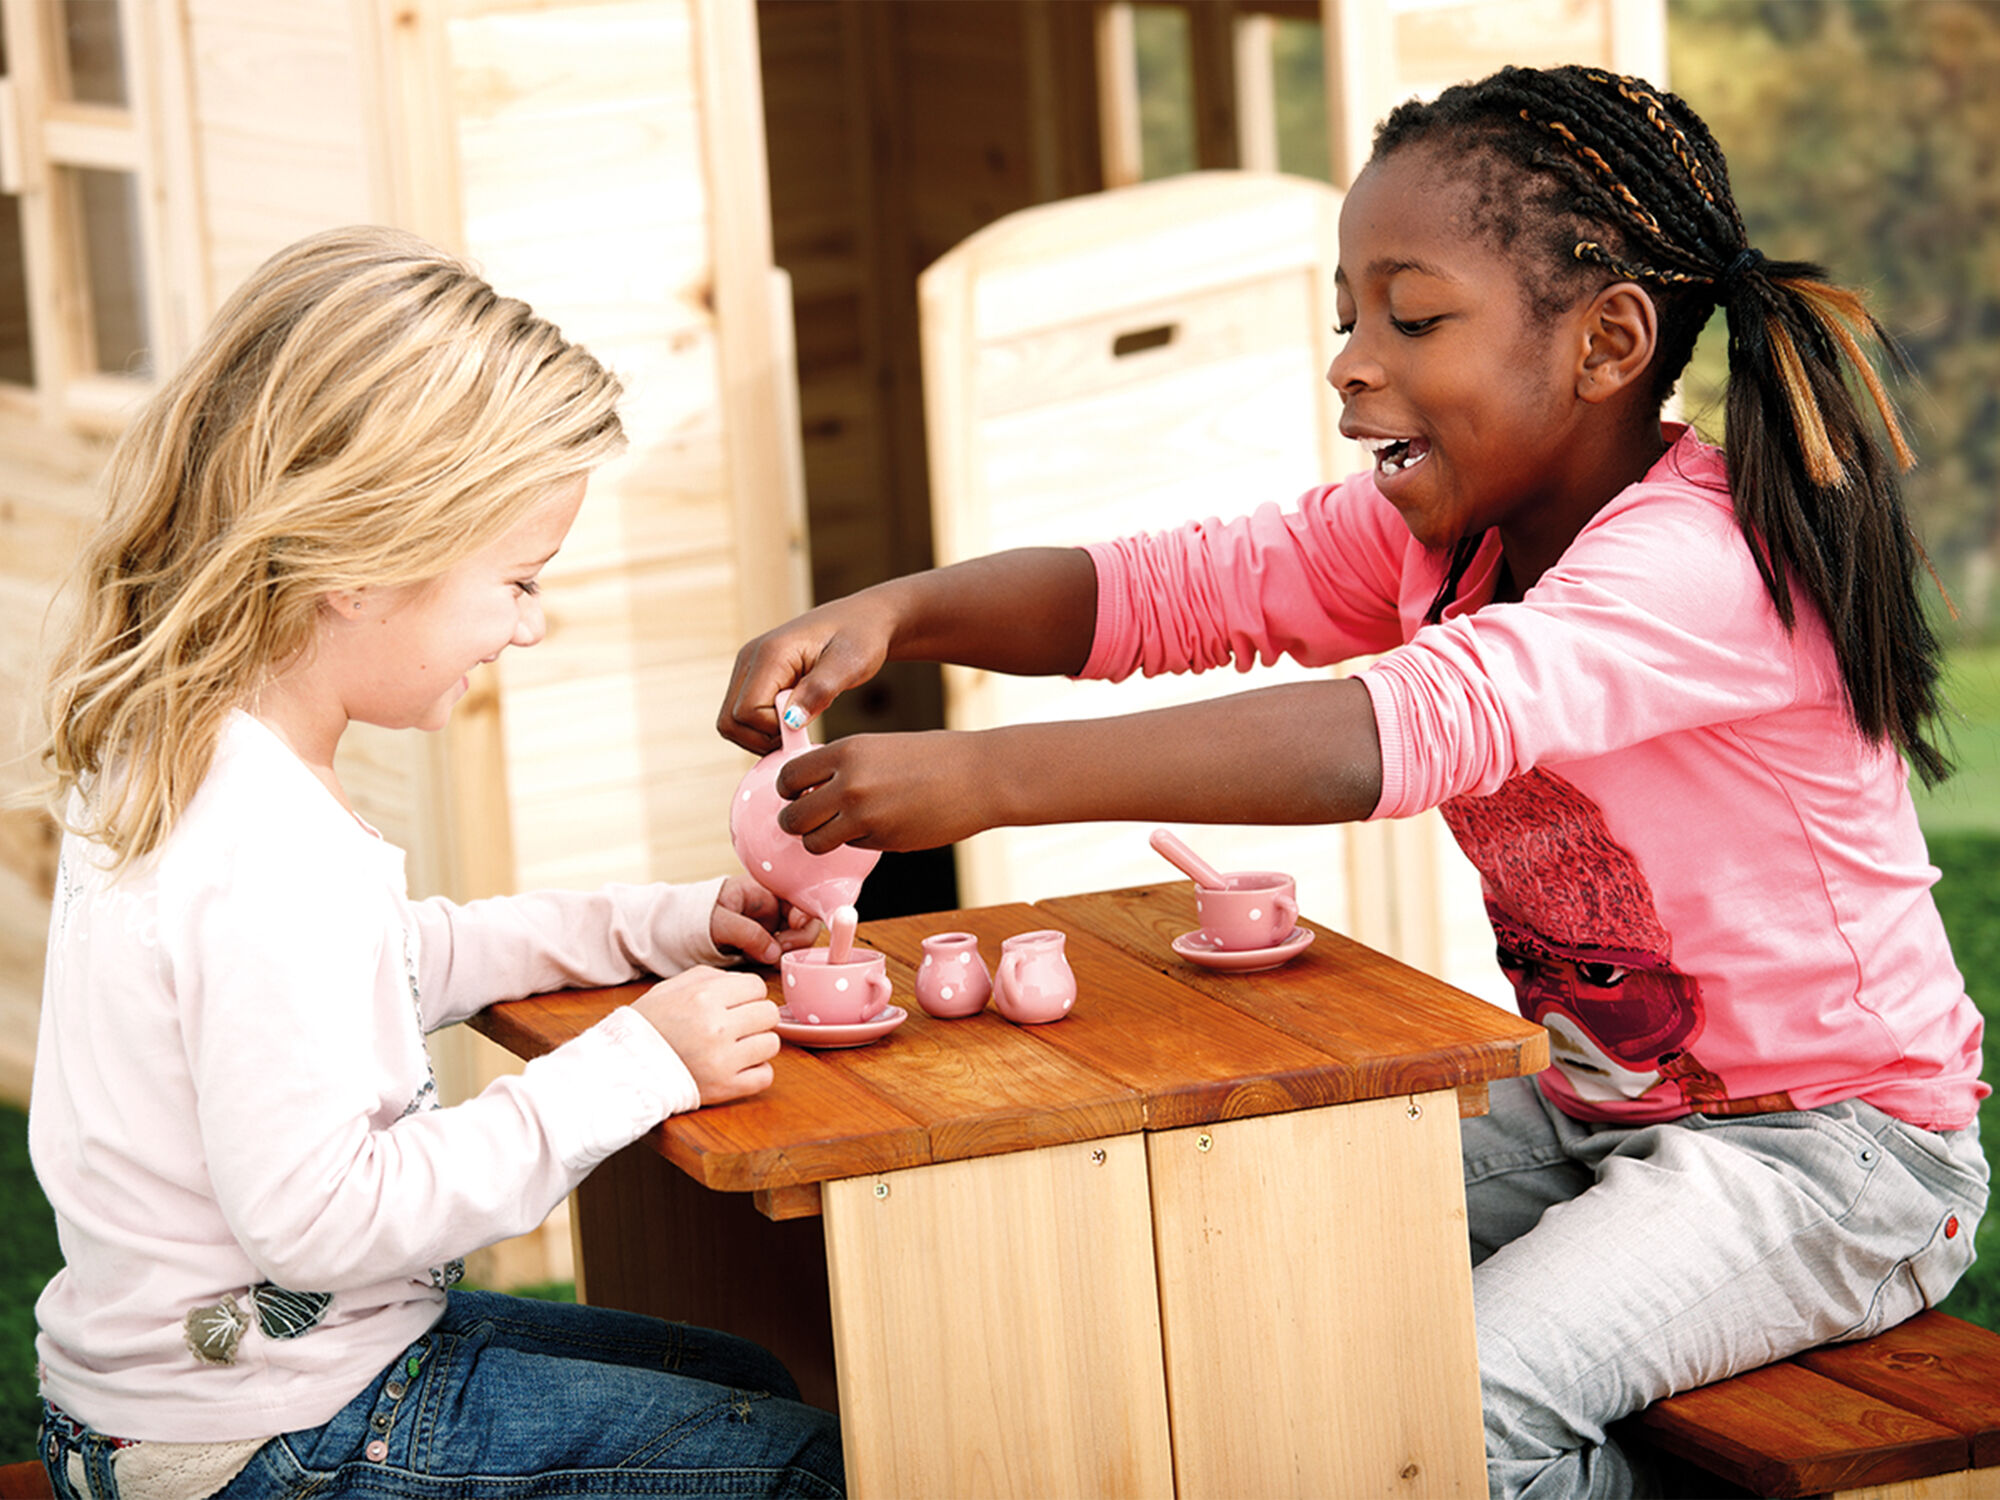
column 1618, row 179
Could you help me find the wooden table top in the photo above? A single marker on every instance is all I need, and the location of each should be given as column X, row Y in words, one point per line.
column 1154, row 1043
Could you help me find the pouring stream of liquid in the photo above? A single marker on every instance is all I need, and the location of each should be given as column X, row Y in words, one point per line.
column 842, row 927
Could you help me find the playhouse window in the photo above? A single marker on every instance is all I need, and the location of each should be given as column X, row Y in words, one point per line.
column 93, row 53
column 76, row 315
column 1186, row 87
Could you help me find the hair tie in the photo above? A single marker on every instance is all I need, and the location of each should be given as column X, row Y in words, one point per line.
column 1746, row 264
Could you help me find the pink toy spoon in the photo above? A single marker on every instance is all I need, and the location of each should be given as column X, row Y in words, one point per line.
column 1187, row 861
column 842, row 928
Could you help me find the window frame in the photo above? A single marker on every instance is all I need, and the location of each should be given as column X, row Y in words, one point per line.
column 46, row 139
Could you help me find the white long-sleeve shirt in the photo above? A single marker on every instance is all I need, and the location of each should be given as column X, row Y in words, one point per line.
column 232, row 1097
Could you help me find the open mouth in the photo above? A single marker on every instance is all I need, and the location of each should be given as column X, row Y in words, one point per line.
column 1394, row 455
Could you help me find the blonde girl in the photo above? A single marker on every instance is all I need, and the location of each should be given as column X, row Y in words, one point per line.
column 333, row 513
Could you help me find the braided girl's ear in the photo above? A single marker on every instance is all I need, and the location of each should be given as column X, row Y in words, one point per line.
column 1622, row 331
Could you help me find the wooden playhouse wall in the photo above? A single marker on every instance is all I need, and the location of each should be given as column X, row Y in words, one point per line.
column 571, row 151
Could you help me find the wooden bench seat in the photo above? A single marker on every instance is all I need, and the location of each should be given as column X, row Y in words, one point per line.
column 24, row 1482
column 1911, row 1414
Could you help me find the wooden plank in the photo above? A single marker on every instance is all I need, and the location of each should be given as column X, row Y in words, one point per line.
column 1784, row 1431
column 1935, row 1365
column 1966, row 1484
column 1396, row 1030
column 997, row 1327
column 1117, row 97
column 814, row 1122
column 1191, row 1062
column 759, row 383
column 982, row 1085
column 541, row 1023
column 1359, row 1323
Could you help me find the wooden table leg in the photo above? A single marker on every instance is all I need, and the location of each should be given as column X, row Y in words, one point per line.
column 650, row 1239
column 997, row 1326
column 1316, row 1303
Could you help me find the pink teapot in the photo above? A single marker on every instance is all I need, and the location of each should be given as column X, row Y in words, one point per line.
column 779, row 861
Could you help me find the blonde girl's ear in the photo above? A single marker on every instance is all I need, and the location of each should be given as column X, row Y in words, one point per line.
column 348, row 604
column 1620, row 335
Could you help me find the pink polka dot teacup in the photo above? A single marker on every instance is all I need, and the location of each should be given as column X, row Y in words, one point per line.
column 1257, row 909
column 818, row 993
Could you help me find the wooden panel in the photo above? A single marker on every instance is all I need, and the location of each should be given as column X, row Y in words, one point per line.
column 1935, row 1365
column 588, row 139
column 996, row 1327
column 1189, row 1060
column 1400, row 1030
column 1967, row 1484
column 281, row 145
column 1361, row 1326
column 815, row 1121
column 982, row 1085
column 1783, row 1430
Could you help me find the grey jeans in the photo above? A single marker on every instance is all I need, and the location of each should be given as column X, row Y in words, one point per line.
column 1613, row 1266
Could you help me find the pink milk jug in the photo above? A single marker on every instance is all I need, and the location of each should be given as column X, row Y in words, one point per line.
column 952, row 981
column 1034, row 982
column 778, row 861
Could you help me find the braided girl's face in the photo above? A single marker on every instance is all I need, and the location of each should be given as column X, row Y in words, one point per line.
column 1467, row 401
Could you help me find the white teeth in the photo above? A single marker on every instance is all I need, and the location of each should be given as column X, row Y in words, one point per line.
column 1393, row 455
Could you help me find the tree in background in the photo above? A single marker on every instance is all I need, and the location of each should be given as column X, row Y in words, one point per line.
column 1865, row 135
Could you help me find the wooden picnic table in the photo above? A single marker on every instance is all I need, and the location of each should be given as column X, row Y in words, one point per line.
column 1203, row 1237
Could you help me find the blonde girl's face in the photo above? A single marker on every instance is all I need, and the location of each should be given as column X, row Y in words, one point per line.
column 406, row 654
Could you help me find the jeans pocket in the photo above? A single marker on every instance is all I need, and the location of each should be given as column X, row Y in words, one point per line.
column 1923, row 1279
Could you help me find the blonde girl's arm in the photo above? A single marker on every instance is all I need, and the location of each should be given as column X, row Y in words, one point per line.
column 1030, row 612
column 504, row 947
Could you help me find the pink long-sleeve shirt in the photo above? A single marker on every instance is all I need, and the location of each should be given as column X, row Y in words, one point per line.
column 1705, row 883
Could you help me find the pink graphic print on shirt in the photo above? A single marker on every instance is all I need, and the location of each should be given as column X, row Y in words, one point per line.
column 1581, row 941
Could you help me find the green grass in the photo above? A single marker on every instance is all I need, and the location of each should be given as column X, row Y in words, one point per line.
column 1970, row 801
column 29, row 1256
column 1969, row 898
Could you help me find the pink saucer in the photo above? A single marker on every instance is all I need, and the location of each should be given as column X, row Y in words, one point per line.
column 1198, row 948
column 859, row 1034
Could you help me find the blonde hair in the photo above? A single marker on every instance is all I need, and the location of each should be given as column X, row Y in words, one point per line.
column 365, row 412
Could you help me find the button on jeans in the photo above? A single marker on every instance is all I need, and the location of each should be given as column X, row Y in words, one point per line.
column 506, row 1396
column 1617, row 1265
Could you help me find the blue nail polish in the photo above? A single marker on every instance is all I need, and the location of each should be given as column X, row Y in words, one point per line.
column 795, row 718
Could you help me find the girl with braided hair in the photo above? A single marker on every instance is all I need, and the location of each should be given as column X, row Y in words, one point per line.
column 1667, row 697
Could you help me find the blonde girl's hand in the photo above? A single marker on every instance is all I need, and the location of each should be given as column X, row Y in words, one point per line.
column 750, row 920
column 720, row 1024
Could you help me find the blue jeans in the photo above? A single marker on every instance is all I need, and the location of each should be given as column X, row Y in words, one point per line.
column 509, row 1397
column 1614, row 1266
